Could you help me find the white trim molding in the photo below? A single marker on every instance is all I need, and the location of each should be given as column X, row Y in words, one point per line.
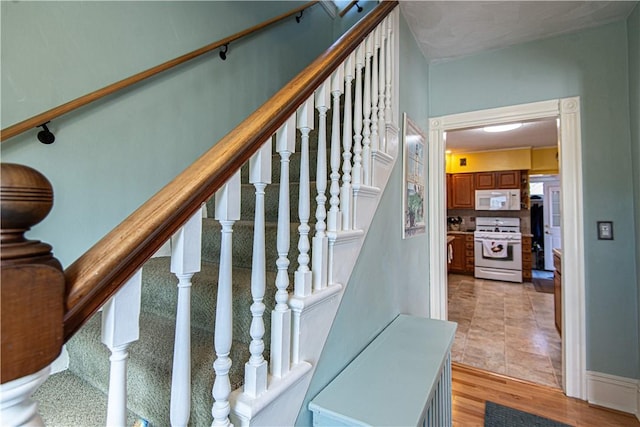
column 611, row 391
column 570, row 148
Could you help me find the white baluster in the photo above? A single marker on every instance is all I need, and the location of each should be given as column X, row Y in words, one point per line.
column 227, row 213
column 185, row 262
column 281, row 315
column 303, row 274
column 120, row 328
column 366, row 112
column 333, row 218
column 17, row 408
column 357, row 119
column 389, row 61
column 346, row 196
column 381, row 86
column 320, row 241
column 375, row 143
column 255, row 370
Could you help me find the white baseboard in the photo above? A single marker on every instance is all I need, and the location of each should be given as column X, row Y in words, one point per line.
column 610, row 391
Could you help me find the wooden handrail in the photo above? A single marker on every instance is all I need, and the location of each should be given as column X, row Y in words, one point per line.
column 60, row 110
column 347, row 8
column 96, row 276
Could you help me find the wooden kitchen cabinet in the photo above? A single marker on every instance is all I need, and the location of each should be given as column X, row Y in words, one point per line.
column 469, row 257
column 557, row 290
column 485, row 180
column 457, row 264
column 527, row 259
column 497, row 180
column 508, row 179
column 449, row 190
column 462, row 191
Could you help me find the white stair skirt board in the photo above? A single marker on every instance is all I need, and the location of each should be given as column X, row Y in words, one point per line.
column 611, row 391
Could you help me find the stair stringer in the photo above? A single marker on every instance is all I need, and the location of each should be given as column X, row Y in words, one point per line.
column 313, row 316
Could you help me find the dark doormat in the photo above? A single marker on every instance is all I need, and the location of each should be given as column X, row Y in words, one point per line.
column 543, row 285
column 502, row 416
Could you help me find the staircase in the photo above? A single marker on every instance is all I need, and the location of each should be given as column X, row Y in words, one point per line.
column 312, row 239
column 150, row 358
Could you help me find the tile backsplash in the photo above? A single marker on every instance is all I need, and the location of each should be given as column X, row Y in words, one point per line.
column 469, row 218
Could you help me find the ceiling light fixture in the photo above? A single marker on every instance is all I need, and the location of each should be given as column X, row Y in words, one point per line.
column 502, row 128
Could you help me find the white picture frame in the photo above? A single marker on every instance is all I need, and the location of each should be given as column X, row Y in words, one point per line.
column 414, row 207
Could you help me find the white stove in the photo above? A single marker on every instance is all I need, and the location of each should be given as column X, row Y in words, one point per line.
column 498, row 249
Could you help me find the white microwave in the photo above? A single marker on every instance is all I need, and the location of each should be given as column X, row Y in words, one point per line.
column 497, row 200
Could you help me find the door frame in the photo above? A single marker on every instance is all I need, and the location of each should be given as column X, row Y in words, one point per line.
column 570, row 158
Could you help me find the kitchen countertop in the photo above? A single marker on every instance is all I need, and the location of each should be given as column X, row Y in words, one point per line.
column 450, row 239
column 557, row 251
column 460, row 232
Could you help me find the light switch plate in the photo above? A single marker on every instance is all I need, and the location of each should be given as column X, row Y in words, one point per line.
column 605, row 230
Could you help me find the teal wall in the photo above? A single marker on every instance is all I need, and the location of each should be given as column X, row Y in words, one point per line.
column 380, row 280
column 110, row 157
column 594, row 65
column 633, row 29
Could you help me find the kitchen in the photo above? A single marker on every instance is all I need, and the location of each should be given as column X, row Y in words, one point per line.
column 506, row 324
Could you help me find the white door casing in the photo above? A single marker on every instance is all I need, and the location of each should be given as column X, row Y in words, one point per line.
column 552, row 222
column 571, row 205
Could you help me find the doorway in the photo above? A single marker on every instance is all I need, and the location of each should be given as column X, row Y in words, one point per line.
column 573, row 321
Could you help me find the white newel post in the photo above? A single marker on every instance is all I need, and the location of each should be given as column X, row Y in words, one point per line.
column 320, row 242
column 366, row 111
column 120, row 328
column 17, row 408
column 333, row 218
column 281, row 315
column 382, row 31
column 357, row 120
column 227, row 213
column 255, row 370
column 346, row 196
column 303, row 277
column 186, row 247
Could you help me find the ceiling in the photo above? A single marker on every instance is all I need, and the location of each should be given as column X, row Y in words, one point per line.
column 538, row 133
column 446, row 30
column 450, row 29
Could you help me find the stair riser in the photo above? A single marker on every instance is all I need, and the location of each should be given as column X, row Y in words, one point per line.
column 271, row 201
column 294, row 166
column 242, row 246
column 160, row 294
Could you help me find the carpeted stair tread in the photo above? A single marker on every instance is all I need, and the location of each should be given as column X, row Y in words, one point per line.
column 160, row 295
column 150, row 366
column 89, row 404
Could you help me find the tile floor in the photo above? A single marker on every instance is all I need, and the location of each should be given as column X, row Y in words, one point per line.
column 507, row 328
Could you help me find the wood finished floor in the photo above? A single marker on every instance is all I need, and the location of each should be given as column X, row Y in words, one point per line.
column 472, row 387
column 506, row 328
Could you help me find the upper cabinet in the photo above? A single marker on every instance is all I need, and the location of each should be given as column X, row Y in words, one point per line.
column 508, row 179
column 462, row 191
column 461, row 186
column 501, row 179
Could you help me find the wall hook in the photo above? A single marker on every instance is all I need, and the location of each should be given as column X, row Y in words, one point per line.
column 359, row 7
column 299, row 17
column 45, row 136
column 223, row 52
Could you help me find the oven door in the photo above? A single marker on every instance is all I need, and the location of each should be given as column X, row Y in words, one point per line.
column 509, row 259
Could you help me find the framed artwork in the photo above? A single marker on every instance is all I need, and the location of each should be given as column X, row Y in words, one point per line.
column 413, row 179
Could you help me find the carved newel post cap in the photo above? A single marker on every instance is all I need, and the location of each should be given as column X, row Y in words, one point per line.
column 26, row 198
